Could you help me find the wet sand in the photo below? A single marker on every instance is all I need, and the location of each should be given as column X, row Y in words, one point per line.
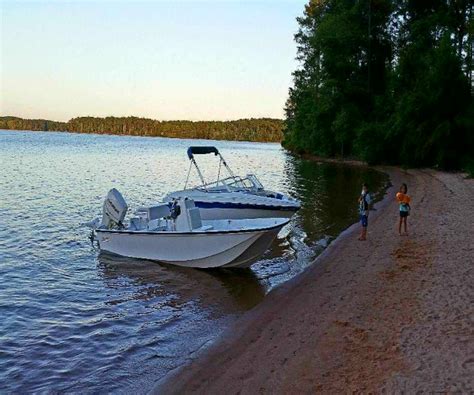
column 390, row 314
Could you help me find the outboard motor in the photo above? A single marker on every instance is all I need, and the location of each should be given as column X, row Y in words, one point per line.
column 114, row 210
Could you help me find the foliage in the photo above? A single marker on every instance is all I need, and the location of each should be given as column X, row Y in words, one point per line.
column 469, row 168
column 386, row 81
column 264, row 129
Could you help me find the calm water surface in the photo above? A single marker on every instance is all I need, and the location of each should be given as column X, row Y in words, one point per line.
column 74, row 320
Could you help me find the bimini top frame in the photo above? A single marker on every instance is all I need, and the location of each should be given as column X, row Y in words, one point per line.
column 203, row 150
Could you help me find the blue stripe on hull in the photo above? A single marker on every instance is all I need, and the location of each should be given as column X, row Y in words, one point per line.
column 209, row 205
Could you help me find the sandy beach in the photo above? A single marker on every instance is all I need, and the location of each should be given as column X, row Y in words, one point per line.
column 391, row 314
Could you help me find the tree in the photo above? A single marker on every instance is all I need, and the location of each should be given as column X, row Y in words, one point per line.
column 384, row 81
column 264, row 129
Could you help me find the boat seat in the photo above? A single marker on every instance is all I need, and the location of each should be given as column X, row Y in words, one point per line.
column 136, row 224
column 157, row 225
column 195, row 218
column 155, row 212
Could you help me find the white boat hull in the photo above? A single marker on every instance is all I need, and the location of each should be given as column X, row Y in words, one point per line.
column 192, row 249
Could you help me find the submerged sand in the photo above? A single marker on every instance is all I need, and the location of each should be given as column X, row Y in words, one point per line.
column 390, row 314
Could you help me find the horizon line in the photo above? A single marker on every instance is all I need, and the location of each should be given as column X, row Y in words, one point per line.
column 135, row 116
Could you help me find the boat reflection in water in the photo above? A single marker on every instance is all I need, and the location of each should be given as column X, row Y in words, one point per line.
column 223, row 291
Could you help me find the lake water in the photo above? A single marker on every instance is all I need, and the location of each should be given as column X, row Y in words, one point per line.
column 72, row 320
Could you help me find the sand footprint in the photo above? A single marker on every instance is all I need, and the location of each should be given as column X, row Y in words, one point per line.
column 468, row 364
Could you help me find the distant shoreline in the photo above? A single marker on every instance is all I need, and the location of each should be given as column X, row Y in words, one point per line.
column 253, row 130
column 133, row 135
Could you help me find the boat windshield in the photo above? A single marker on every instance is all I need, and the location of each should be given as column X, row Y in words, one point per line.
column 250, row 183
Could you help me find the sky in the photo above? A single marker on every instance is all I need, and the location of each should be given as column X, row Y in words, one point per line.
column 196, row 60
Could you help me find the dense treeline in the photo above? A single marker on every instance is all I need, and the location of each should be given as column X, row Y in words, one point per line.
column 384, row 81
column 263, row 129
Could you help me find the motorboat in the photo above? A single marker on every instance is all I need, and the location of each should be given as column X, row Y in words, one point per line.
column 232, row 197
column 175, row 233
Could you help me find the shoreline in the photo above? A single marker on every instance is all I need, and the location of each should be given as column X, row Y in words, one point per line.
column 136, row 135
column 183, row 134
column 362, row 316
column 337, row 161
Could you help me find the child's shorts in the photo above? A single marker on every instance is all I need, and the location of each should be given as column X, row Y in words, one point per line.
column 403, row 214
column 364, row 220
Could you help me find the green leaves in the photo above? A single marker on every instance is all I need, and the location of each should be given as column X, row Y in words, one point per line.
column 384, row 81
